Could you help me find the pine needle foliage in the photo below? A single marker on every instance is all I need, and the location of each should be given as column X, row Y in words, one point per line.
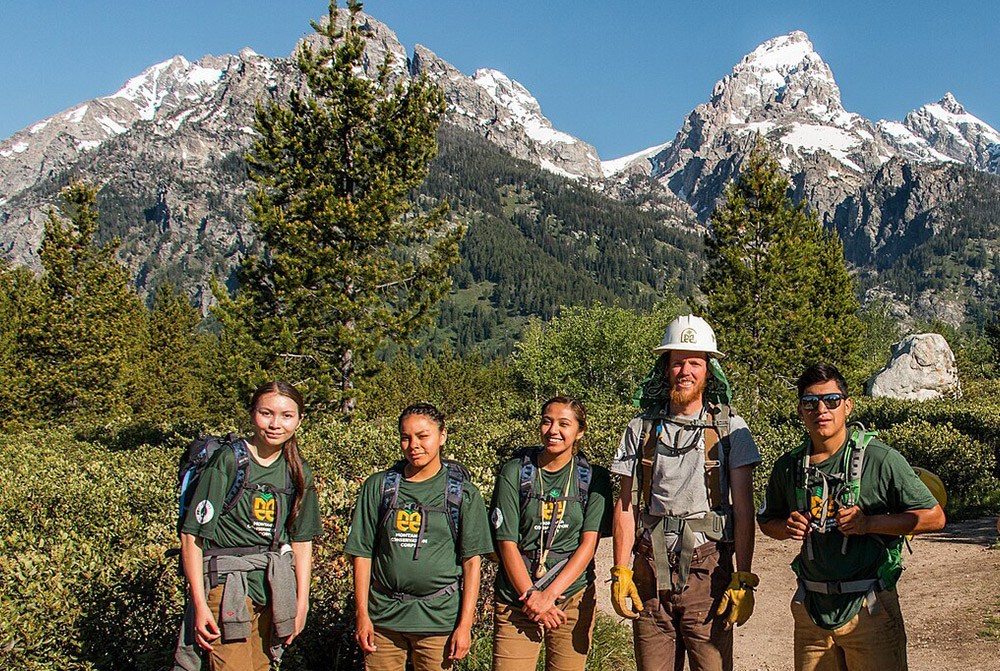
column 84, row 342
column 350, row 258
column 777, row 290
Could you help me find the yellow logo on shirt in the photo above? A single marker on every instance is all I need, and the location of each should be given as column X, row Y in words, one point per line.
column 263, row 508
column 407, row 521
column 816, row 507
column 550, row 510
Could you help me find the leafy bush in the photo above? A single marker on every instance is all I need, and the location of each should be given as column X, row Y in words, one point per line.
column 597, row 353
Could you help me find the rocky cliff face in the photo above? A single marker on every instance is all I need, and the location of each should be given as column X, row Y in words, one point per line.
column 899, row 209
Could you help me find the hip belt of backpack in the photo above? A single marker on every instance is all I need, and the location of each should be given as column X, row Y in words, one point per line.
column 840, row 491
column 716, row 524
column 454, row 486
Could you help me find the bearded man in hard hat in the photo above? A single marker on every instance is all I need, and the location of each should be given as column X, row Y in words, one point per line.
column 686, row 504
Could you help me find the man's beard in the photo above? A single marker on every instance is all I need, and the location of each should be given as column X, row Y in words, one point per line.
column 684, row 397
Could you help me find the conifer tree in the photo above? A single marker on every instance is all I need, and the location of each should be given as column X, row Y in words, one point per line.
column 777, row 290
column 18, row 297
column 85, row 341
column 174, row 378
column 349, row 259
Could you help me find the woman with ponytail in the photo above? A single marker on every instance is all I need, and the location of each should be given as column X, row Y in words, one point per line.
column 247, row 555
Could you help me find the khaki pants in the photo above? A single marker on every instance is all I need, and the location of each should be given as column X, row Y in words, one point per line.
column 866, row 643
column 425, row 651
column 517, row 640
column 671, row 625
column 247, row 654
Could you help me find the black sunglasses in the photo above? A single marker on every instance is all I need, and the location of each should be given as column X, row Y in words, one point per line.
column 810, row 402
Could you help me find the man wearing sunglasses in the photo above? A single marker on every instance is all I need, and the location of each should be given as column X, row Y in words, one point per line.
column 849, row 499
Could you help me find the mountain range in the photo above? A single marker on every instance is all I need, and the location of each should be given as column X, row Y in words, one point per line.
column 167, row 151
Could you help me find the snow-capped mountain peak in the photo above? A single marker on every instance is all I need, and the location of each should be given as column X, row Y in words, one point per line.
column 943, row 131
column 176, row 76
column 783, row 54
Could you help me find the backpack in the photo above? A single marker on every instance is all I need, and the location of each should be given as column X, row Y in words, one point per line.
column 457, row 475
column 193, row 462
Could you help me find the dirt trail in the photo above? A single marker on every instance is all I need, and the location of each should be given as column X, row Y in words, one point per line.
column 952, row 581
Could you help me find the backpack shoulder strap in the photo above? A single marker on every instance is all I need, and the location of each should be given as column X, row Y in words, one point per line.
column 390, row 490
column 526, row 474
column 454, row 489
column 716, row 459
column 644, row 471
column 584, row 474
column 242, row 456
column 855, row 462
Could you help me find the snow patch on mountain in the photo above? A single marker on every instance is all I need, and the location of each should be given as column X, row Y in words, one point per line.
column 809, row 138
column 111, row 126
column 523, row 107
column 612, row 167
column 75, row 115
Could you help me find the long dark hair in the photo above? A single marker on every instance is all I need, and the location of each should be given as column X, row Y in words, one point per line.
column 291, row 447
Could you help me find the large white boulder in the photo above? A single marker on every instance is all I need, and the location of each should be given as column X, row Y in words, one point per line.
column 922, row 368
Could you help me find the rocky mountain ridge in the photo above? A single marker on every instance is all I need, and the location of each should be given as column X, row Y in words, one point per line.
column 167, row 150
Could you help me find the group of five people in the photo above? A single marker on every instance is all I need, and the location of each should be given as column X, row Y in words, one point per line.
column 682, row 527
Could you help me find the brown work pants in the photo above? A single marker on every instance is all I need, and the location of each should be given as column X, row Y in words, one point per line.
column 246, row 654
column 392, row 648
column 866, row 643
column 671, row 624
column 517, row 640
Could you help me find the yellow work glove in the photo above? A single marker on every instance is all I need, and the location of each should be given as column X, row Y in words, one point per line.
column 622, row 589
column 738, row 599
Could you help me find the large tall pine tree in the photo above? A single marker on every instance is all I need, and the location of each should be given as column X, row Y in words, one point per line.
column 350, row 260
column 777, row 290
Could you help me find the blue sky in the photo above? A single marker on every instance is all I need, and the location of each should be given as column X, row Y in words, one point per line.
column 621, row 74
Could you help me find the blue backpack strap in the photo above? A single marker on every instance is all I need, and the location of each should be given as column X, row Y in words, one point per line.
column 242, row 456
column 457, row 475
column 584, row 474
column 526, row 477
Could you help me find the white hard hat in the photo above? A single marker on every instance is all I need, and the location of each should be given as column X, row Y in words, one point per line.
column 690, row 333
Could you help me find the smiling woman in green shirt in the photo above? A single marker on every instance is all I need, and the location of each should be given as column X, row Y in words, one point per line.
column 416, row 539
column 249, row 565
column 550, row 507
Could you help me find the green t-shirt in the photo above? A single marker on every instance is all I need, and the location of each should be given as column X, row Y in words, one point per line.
column 257, row 515
column 392, row 546
column 888, row 485
column 526, row 530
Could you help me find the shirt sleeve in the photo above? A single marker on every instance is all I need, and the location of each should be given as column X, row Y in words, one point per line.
column 597, row 517
column 743, row 449
column 202, row 516
column 624, row 461
column 308, row 524
column 775, row 503
column 475, row 529
column 904, row 488
column 364, row 523
column 505, row 509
